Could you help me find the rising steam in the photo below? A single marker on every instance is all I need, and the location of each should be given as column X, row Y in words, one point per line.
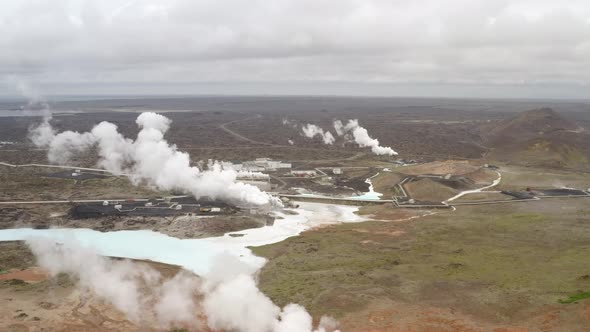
column 311, row 131
column 148, row 159
column 290, row 123
column 353, row 132
column 44, row 133
column 227, row 296
column 118, row 282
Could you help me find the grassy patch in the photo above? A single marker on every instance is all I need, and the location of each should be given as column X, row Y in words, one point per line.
column 518, row 178
column 575, row 298
column 484, row 260
column 15, row 255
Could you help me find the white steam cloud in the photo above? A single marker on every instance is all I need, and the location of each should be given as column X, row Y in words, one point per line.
column 227, row 296
column 121, row 283
column 290, row 123
column 353, row 132
column 43, row 133
column 233, row 302
column 241, row 174
column 148, row 159
column 293, row 124
column 350, row 131
column 176, row 301
column 311, row 131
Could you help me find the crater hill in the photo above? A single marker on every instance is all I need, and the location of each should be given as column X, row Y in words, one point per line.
column 539, row 137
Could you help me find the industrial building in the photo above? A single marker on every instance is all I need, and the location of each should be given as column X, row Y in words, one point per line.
column 262, row 185
column 261, row 165
column 304, row 173
column 155, row 207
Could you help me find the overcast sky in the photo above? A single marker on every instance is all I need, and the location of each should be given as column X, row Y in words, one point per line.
column 471, row 48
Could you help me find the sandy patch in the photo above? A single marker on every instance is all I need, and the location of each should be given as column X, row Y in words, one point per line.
column 34, row 274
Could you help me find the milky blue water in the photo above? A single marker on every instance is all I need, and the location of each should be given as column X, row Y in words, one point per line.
column 196, row 255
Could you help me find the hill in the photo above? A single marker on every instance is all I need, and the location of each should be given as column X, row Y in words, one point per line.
column 539, row 137
column 528, row 125
column 428, row 190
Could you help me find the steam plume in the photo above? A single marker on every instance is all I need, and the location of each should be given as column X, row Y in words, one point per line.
column 117, row 282
column 149, row 159
column 227, row 295
column 176, row 302
column 43, row 133
column 352, row 131
column 311, row 130
column 290, row 123
column 251, row 311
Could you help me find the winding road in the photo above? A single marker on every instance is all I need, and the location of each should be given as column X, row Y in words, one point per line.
column 478, row 190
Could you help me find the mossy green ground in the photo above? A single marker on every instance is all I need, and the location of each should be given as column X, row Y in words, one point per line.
column 576, row 297
column 499, row 262
column 14, row 256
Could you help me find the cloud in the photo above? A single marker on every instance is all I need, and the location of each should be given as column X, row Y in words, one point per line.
column 455, row 41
